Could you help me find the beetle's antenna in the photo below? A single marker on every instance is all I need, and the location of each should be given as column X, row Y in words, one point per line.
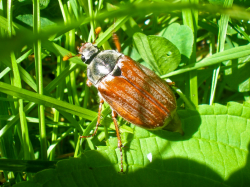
column 69, row 56
column 98, row 120
column 114, row 116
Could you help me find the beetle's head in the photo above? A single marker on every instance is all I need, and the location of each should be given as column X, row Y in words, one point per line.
column 88, row 52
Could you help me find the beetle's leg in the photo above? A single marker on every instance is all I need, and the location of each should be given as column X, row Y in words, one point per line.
column 171, row 83
column 98, row 120
column 88, row 83
column 114, row 115
column 117, row 42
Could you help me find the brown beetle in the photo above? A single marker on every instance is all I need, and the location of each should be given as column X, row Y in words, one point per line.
column 133, row 91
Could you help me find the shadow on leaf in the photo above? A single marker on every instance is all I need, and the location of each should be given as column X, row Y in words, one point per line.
column 97, row 169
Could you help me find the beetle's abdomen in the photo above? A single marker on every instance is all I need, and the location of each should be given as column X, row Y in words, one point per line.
column 138, row 95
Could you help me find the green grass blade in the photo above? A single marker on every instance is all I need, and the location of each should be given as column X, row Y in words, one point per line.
column 39, row 78
column 229, row 54
column 223, row 24
column 17, row 82
column 190, row 18
column 47, row 101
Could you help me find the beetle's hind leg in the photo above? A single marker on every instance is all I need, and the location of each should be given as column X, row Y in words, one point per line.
column 114, row 116
column 98, row 120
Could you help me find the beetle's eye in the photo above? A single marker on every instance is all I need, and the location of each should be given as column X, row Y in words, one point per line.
column 83, row 58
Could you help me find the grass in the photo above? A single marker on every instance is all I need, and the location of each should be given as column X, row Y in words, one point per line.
column 46, row 105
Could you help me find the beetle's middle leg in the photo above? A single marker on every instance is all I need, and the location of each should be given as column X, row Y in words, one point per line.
column 114, row 116
column 98, row 120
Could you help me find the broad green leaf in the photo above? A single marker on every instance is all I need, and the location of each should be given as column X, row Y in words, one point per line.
column 161, row 54
column 213, row 152
column 182, row 37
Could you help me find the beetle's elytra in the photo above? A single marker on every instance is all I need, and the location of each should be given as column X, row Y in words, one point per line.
column 133, row 91
column 137, row 94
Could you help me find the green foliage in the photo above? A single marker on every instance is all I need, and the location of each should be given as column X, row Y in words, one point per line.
column 45, row 104
column 237, row 76
column 182, row 37
column 213, row 152
column 158, row 52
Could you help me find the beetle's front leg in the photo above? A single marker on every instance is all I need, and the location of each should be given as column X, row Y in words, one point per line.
column 98, row 120
column 88, row 83
column 114, row 116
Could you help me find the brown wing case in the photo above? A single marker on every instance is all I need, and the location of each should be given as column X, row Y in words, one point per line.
column 138, row 95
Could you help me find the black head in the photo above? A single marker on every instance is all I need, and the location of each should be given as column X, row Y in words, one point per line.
column 88, row 51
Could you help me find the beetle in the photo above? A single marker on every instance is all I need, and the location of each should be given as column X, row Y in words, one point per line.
column 132, row 90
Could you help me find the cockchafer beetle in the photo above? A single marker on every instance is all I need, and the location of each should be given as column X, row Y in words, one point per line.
column 133, row 91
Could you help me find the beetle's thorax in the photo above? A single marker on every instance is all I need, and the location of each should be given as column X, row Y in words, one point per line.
column 101, row 65
column 88, row 51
